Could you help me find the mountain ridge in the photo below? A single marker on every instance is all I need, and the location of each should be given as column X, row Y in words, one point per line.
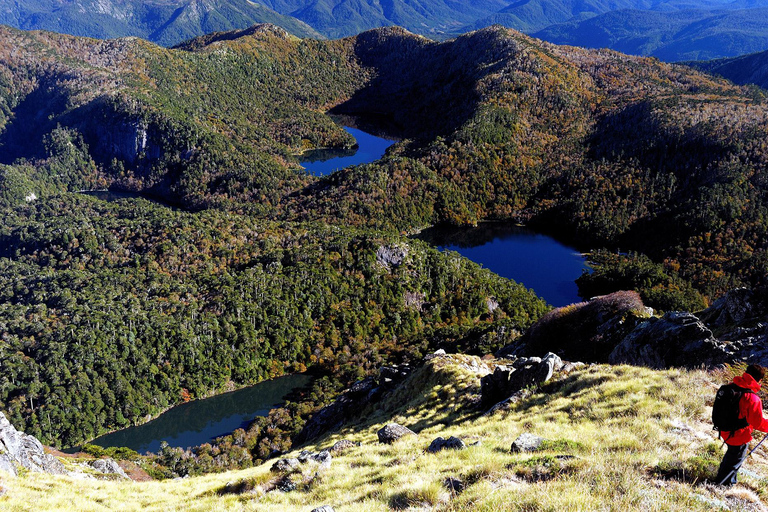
column 746, row 69
column 165, row 22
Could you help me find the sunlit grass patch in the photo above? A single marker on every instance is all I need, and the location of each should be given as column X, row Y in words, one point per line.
column 615, row 438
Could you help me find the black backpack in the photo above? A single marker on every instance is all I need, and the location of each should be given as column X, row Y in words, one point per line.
column 725, row 410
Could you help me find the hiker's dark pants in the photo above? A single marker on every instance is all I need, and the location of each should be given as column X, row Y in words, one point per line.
column 733, row 458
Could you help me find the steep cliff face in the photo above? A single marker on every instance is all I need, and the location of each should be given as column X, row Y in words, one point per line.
column 19, row 450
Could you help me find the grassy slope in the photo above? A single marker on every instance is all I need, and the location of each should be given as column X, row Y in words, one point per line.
column 618, row 423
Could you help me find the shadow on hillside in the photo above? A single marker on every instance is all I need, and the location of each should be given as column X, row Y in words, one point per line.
column 32, row 119
column 427, row 89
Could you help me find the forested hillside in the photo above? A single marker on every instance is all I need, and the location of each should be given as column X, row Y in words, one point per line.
column 747, row 69
column 265, row 269
column 110, row 312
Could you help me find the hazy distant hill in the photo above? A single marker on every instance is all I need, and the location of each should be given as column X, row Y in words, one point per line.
column 534, row 15
column 337, row 18
column 747, row 69
column 164, row 22
column 668, row 29
column 670, row 36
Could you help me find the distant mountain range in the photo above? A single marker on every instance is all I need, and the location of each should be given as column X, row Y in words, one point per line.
column 165, row 22
column 747, row 69
column 671, row 30
column 670, row 36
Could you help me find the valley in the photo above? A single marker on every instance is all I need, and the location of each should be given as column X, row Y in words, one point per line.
column 245, row 267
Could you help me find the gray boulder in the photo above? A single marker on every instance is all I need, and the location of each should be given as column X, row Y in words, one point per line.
column 109, row 467
column 342, row 446
column 525, row 372
column 323, row 459
column 392, row 432
column 285, row 466
column 676, row 339
column 20, row 449
column 527, row 443
column 452, row 443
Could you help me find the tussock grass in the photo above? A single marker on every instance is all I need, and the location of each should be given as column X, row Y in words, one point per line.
column 620, row 438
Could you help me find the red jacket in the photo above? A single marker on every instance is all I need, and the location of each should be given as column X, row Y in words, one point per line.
column 751, row 408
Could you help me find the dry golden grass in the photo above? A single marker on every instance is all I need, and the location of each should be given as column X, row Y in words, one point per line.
column 619, row 436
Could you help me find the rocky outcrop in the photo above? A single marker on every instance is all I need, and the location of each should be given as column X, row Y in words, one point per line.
column 524, row 372
column 736, row 307
column 352, row 401
column 18, row 449
column 391, row 256
column 393, row 432
column 108, row 467
column 322, row 460
column 676, row 339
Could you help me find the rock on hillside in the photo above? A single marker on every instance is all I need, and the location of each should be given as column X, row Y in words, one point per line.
column 617, row 328
column 676, row 339
column 18, row 449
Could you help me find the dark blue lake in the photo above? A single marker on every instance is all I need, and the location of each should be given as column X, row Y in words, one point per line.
column 202, row 421
column 537, row 261
column 321, row 162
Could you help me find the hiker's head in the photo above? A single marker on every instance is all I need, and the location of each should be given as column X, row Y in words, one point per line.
column 756, row 371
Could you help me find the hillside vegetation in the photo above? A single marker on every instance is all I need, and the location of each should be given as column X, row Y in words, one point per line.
column 619, row 438
column 746, row 69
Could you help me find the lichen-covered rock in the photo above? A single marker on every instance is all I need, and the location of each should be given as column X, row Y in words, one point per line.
column 452, row 443
column 20, row 449
column 109, row 467
column 343, row 445
column 527, row 443
column 323, row 458
column 392, row 432
column 391, row 256
column 285, row 465
column 676, row 339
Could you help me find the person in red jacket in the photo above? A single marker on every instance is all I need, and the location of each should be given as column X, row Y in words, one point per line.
column 751, row 408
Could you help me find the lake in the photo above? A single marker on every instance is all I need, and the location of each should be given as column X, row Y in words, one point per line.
column 201, row 421
column 535, row 260
column 370, row 148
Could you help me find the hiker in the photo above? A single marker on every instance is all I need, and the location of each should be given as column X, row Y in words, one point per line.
column 750, row 409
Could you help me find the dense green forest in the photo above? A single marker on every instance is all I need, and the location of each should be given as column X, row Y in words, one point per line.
column 111, row 312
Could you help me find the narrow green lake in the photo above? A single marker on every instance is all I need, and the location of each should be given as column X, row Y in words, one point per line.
column 201, row 421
